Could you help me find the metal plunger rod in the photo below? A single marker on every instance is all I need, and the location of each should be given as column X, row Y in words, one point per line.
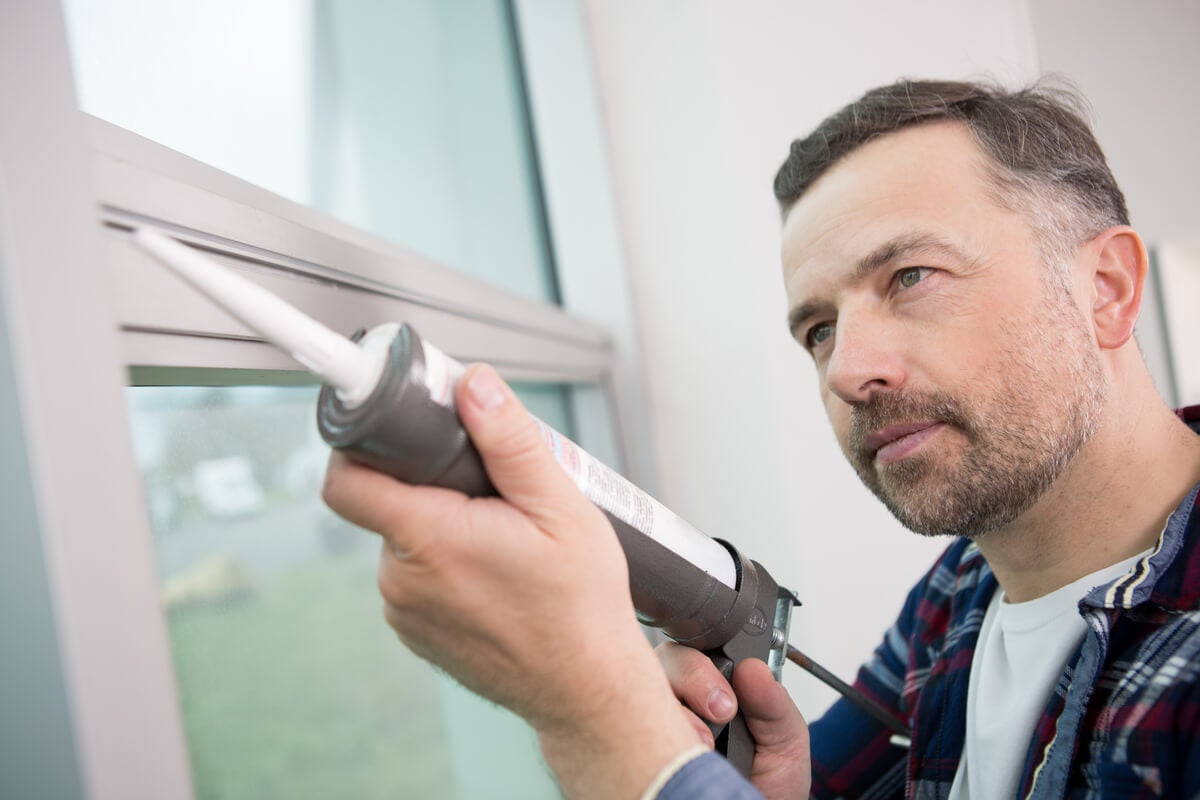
column 847, row 691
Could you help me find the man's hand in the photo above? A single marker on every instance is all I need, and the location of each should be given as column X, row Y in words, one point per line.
column 781, row 760
column 523, row 599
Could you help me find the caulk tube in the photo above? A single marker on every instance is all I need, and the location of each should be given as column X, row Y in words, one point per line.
column 406, row 427
column 681, row 580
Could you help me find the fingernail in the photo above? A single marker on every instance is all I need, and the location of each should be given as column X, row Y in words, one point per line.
column 720, row 704
column 486, row 389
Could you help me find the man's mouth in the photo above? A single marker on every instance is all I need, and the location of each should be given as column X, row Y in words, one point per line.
column 894, row 442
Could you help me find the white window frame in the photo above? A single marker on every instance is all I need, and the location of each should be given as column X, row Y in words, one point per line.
column 84, row 310
column 343, row 276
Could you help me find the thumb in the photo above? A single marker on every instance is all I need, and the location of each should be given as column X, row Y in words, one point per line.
column 771, row 715
column 514, row 452
column 782, row 767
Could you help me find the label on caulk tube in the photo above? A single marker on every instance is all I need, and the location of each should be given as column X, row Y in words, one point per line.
column 601, row 485
column 643, row 513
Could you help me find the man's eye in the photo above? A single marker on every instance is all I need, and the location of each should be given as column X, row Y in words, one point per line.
column 818, row 333
column 911, row 276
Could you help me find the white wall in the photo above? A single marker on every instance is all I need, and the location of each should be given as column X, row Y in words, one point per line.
column 1179, row 266
column 1137, row 63
column 701, row 100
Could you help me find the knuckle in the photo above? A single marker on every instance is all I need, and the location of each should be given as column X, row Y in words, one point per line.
column 518, row 440
column 700, row 727
column 689, row 671
column 392, row 615
column 398, row 621
column 401, row 623
column 395, row 587
column 698, row 673
column 331, row 487
column 564, row 510
column 390, row 590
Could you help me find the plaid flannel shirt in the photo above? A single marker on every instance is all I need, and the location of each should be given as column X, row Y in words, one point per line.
column 1122, row 722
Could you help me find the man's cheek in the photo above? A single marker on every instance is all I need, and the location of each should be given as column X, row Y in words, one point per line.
column 838, row 413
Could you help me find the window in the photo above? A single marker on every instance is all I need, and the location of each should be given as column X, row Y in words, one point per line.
column 179, row 556
column 404, row 119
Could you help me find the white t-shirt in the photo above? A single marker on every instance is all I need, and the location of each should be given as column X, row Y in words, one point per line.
column 1020, row 656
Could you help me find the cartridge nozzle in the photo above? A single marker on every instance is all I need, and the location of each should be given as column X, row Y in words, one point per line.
column 339, row 362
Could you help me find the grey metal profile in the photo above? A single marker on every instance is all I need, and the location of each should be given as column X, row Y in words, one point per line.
column 343, row 276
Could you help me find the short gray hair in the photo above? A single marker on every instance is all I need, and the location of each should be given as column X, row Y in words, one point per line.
column 1042, row 158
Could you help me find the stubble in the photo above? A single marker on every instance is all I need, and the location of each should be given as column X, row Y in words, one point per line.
column 1024, row 422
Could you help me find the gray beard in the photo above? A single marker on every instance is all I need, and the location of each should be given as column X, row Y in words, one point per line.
column 1019, row 438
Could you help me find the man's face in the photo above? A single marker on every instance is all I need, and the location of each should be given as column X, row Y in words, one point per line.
column 960, row 377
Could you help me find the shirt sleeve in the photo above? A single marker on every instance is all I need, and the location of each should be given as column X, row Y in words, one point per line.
column 853, row 754
column 708, row 777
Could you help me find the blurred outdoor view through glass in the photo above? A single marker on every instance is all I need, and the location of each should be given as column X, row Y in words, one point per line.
column 292, row 686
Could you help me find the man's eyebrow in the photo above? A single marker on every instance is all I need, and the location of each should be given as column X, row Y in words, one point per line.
column 799, row 315
column 901, row 246
column 893, row 249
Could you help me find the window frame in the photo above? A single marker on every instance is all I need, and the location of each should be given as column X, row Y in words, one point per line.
column 85, row 312
column 344, row 277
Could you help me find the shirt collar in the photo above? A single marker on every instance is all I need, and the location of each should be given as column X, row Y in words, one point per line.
column 1169, row 576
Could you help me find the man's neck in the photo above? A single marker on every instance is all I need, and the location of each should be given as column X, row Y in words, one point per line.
column 1109, row 504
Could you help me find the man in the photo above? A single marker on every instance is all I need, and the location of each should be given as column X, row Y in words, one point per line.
column 959, row 265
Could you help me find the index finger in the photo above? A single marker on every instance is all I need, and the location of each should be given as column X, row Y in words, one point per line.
column 697, row 682
column 395, row 510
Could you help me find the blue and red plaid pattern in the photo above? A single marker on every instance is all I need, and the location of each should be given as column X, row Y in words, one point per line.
column 1122, row 722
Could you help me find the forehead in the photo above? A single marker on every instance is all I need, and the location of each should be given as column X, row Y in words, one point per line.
column 929, row 180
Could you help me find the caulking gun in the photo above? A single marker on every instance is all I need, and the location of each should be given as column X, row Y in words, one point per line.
column 388, row 402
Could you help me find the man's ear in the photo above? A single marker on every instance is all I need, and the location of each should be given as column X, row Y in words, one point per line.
column 1119, row 268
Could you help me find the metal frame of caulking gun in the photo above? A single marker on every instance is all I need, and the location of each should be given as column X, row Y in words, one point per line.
column 766, row 608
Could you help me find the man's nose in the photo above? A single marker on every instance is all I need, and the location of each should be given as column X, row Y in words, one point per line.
column 866, row 358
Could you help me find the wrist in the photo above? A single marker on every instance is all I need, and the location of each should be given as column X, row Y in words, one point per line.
column 668, row 772
column 623, row 747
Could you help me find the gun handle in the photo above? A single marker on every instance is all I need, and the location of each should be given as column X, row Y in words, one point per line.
column 732, row 739
column 737, row 745
column 765, row 640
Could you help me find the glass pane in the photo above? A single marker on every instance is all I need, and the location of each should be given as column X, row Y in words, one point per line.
column 404, row 118
column 291, row 683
